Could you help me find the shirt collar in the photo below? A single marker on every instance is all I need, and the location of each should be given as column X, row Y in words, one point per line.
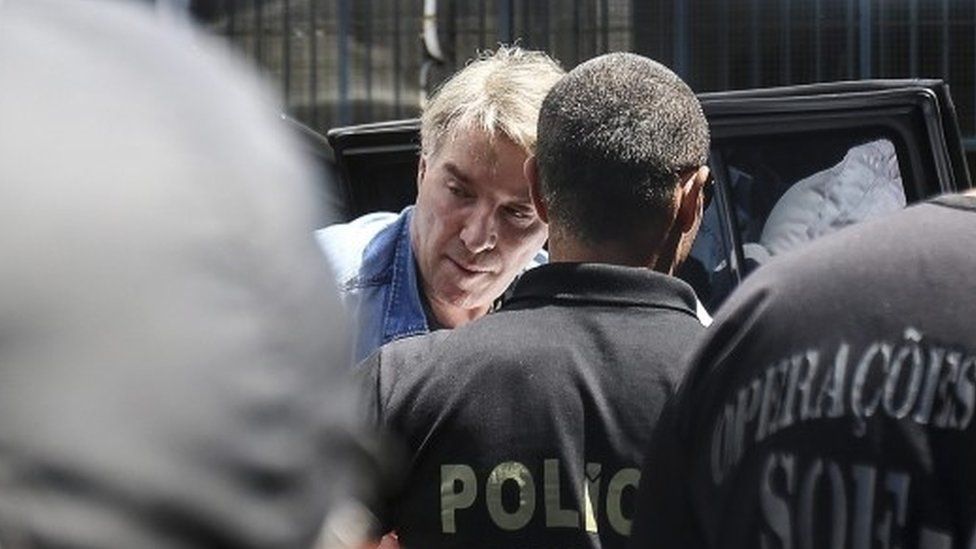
column 603, row 283
column 403, row 313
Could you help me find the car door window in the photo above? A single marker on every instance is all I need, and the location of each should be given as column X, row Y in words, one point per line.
column 782, row 192
column 707, row 268
column 784, row 196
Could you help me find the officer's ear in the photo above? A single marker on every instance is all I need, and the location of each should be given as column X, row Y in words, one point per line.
column 531, row 171
column 691, row 193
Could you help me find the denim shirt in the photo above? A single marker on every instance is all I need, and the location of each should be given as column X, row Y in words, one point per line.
column 373, row 262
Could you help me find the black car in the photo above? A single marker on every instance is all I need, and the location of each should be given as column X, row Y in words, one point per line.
column 790, row 164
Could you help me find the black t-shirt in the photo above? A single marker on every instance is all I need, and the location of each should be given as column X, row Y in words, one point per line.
column 527, row 428
column 831, row 403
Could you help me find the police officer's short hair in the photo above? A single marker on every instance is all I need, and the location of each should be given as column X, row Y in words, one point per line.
column 613, row 135
column 499, row 92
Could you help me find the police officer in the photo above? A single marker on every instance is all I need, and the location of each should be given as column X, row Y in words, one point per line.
column 831, row 404
column 527, row 428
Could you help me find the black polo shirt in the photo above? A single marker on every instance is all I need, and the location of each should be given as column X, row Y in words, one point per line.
column 831, row 403
column 527, row 428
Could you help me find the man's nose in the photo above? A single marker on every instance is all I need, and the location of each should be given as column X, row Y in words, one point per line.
column 479, row 233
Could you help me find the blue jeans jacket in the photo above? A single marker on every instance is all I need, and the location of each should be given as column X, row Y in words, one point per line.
column 374, row 266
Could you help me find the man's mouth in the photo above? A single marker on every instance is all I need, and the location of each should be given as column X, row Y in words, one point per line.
column 470, row 268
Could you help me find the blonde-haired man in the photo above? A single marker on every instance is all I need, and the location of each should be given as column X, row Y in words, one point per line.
column 442, row 262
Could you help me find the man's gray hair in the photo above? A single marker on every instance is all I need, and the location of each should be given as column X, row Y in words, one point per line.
column 499, row 92
column 613, row 136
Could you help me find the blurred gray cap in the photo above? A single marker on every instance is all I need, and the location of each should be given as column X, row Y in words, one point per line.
column 171, row 348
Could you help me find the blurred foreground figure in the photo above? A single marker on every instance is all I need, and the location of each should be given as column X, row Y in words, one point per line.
column 527, row 428
column 168, row 340
column 831, row 403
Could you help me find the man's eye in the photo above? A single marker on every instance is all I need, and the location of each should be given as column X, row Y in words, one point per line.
column 519, row 213
column 457, row 191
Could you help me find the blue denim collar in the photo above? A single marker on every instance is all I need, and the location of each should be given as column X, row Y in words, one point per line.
column 403, row 312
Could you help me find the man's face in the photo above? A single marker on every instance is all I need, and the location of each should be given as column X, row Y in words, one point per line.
column 474, row 227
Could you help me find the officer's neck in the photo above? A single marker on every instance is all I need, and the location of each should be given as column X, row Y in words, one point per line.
column 659, row 258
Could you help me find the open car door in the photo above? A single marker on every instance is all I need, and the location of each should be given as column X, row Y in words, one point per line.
column 790, row 165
